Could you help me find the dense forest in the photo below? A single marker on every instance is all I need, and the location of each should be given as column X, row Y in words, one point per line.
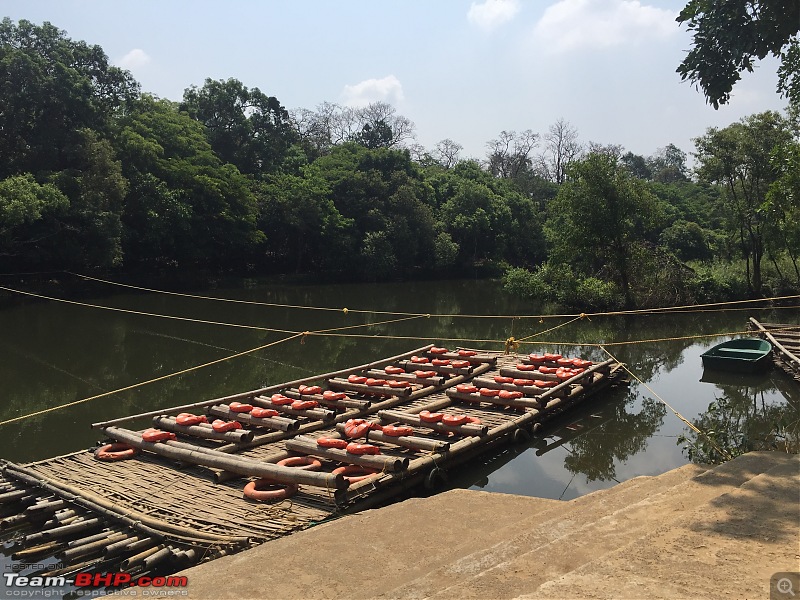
column 97, row 175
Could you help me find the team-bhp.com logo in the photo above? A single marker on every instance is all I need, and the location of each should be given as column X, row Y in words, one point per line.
column 22, row 584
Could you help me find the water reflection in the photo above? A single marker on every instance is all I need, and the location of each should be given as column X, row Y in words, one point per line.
column 52, row 354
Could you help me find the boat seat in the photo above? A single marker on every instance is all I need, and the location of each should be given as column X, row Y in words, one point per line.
column 740, row 351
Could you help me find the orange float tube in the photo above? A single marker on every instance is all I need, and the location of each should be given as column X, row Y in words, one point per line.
column 280, row 399
column 398, row 431
column 500, row 379
column 398, row 384
column 324, row 442
column 221, row 426
column 440, row 362
column 510, row 394
column 115, row 451
column 257, row 490
column 427, row 416
column 357, row 379
column 306, row 463
column 522, row 382
column 375, row 382
column 454, row 420
column 263, row 413
column 467, row 353
column 157, row 435
column 547, row 370
column 425, row 374
column 524, row 367
column 354, row 473
column 460, row 364
column 436, row 350
column 331, row 395
column 304, row 404
column 186, row 419
column 536, row 359
column 473, row 420
column 551, row 357
column 466, row 388
column 390, row 370
column 306, row 390
column 360, row 449
column 541, row 383
column 488, row 392
column 238, row 407
column 420, row 359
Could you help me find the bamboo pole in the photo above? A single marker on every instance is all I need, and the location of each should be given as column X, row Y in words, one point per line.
column 123, row 545
column 343, row 403
column 9, row 497
column 137, row 559
column 156, row 558
column 63, row 530
column 476, row 398
column 477, row 359
column 275, row 423
column 90, row 548
column 47, row 506
column 362, row 388
column 320, row 414
column 258, row 392
column 528, row 390
column 234, row 464
column 309, row 446
column 169, row 424
column 446, row 369
column 46, row 548
column 775, row 342
column 468, row 429
column 411, row 442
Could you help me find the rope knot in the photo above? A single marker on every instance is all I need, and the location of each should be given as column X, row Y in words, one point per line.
column 345, row 311
column 512, row 345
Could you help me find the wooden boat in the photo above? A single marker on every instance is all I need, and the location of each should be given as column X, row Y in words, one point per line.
column 744, row 355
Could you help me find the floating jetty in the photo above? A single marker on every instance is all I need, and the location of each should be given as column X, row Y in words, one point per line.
column 187, row 484
column 785, row 340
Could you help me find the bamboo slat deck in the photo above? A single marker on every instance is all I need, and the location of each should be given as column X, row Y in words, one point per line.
column 180, row 502
column 785, row 340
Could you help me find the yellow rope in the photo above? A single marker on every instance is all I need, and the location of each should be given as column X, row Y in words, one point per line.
column 143, row 383
column 691, row 425
column 683, row 308
column 578, row 318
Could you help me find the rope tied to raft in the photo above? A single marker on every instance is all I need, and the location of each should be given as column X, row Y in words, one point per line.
column 512, row 345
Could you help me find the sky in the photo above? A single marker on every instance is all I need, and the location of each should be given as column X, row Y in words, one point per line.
column 459, row 69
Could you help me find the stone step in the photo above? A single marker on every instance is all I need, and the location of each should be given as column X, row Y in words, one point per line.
column 554, row 553
column 591, row 528
column 733, row 544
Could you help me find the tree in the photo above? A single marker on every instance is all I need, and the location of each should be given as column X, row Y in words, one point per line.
column 510, row 154
column 446, row 153
column 51, row 88
column 561, row 148
column 245, row 127
column 599, row 219
column 727, row 38
column 668, row 165
column 739, row 158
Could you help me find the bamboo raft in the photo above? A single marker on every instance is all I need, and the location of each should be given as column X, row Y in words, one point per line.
column 785, row 340
column 180, row 502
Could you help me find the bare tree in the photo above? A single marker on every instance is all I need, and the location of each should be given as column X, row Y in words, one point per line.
column 510, row 154
column 561, row 147
column 447, row 153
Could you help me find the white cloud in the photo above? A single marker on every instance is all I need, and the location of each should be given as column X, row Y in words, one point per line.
column 580, row 24
column 490, row 14
column 389, row 89
column 134, row 59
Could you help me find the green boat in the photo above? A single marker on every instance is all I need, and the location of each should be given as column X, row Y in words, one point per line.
column 745, row 355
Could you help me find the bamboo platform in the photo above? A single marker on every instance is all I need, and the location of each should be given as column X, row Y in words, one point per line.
column 785, row 340
column 179, row 502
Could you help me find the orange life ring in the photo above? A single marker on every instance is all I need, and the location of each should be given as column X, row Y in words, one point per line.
column 398, row 431
column 157, row 435
column 324, row 442
column 280, row 399
column 115, row 451
column 354, row 473
column 186, row 419
column 460, row 364
column 357, row 379
column 353, row 448
column 390, row 370
column 499, row 379
column 309, row 389
column 524, row 367
column 522, row 382
column 474, row 420
column 398, row 384
column 304, row 404
column 510, row 394
column 331, row 395
column 255, row 490
column 427, row 416
column 488, row 392
column 375, row 382
column 436, row 350
column 454, row 420
column 536, row 359
column 551, row 357
column 356, row 428
column 263, row 413
column 306, row 463
column 467, row 353
column 466, row 388
column 425, row 374
column 238, row 407
column 221, row 426
column 440, row 362
column 420, row 359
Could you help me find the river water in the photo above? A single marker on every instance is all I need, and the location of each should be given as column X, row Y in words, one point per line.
column 54, row 353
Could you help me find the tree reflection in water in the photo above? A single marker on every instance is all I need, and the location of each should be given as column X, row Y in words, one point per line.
column 741, row 420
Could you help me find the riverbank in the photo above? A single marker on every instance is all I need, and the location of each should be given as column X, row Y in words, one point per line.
column 688, row 533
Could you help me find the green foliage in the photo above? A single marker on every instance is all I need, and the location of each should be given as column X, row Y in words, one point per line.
column 687, row 240
column 729, row 36
column 552, row 283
